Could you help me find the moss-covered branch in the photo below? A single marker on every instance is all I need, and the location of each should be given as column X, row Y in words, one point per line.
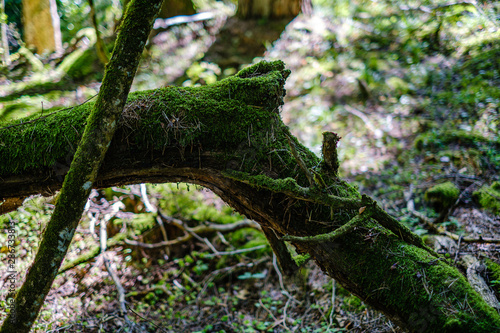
column 229, row 137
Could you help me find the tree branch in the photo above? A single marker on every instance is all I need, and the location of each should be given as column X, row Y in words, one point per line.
column 228, row 137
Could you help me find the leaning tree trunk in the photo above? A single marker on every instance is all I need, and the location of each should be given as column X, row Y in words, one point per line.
column 229, row 137
column 97, row 135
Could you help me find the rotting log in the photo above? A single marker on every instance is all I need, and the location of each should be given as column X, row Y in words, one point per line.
column 229, row 137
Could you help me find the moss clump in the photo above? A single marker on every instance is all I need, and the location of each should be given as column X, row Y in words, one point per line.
column 442, row 196
column 353, row 303
column 262, row 67
column 493, row 274
column 474, row 150
column 438, row 139
column 489, row 197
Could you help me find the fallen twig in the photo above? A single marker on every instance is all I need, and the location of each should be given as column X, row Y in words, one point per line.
column 198, row 230
column 442, row 231
column 103, row 238
column 474, row 270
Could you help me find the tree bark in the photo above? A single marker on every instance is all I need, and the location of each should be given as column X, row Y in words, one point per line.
column 3, row 31
column 229, row 138
column 96, row 138
column 42, row 25
column 273, row 9
column 177, row 7
column 100, row 47
column 244, row 36
column 173, row 8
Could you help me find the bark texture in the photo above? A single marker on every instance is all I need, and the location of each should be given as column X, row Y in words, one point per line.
column 3, row 32
column 42, row 25
column 101, row 126
column 229, row 137
column 274, row 9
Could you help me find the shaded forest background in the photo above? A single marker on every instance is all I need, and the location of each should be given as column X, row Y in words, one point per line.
column 412, row 88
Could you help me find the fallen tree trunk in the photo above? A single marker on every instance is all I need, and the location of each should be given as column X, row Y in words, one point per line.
column 229, row 137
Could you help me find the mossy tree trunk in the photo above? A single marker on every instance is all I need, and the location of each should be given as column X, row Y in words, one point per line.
column 97, row 134
column 229, row 137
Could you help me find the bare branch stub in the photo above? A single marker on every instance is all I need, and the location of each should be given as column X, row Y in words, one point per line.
column 329, row 150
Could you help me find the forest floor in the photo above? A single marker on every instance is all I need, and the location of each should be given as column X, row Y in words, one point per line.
column 415, row 95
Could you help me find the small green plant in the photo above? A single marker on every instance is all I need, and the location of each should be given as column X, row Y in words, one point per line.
column 248, row 275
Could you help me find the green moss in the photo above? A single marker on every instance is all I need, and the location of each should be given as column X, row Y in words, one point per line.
column 489, row 197
column 493, row 274
column 410, row 281
column 470, row 85
column 276, row 185
column 466, row 149
column 262, row 67
column 493, row 269
column 467, row 94
column 86, row 66
column 11, row 108
column 224, row 116
column 140, row 222
column 438, row 138
column 4, row 221
column 82, row 64
column 301, row 259
column 221, row 116
column 353, row 303
column 442, row 195
column 247, row 238
column 33, row 144
column 37, row 87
